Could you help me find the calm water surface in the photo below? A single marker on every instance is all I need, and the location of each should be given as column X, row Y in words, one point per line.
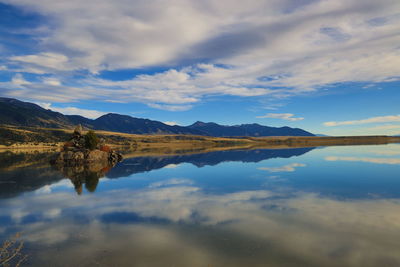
column 334, row 206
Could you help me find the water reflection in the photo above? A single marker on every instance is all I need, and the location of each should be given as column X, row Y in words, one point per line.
column 226, row 213
column 142, row 164
column 287, row 168
column 87, row 175
column 17, row 169
column 370, row 160
column 183, row 226
column 24, row 172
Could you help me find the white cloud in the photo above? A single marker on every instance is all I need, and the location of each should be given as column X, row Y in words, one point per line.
column 88, row 113
column 380, row 119
column 18, row 80
column 171, row 90
column 386, row 127
column 91, row 114
column 44, row 61
column 282, row 116
column 52, row 81
column 287, row 168
column 42, row 91
column 267, row 46
column 170, row 107
column 171, row 123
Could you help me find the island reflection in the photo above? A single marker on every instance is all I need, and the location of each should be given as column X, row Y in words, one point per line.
column 17, row 169
column 88, row 175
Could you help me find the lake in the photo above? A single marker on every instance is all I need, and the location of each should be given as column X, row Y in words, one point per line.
column 331, row 206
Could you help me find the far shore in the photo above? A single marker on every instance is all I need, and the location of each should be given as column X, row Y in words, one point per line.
column 175, row 144
column 132, row 146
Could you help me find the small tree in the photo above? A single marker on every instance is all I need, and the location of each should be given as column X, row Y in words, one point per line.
column 91, row 140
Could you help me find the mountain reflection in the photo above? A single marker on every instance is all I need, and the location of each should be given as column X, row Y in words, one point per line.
column 17, row 169
column 143, row 164
column 25, row 172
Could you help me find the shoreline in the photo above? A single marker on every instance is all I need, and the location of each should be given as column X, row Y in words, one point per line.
column 40, row 153
column 35, row 139
column 174, row 144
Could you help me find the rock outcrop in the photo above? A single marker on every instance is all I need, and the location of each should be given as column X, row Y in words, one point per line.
column 76, row 153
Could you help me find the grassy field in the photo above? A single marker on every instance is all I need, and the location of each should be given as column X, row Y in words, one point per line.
column 42, row 139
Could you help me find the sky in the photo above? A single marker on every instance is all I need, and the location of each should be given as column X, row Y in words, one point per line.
column 327, row 66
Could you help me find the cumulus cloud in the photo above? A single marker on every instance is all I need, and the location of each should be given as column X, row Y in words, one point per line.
column 379, row 119
column 282, row 116
column 256, row 48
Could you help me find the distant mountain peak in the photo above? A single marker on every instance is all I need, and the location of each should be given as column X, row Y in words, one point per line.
column 202, row 124
column 111, row 115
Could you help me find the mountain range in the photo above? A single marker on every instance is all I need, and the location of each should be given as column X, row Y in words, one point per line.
column 18, row 113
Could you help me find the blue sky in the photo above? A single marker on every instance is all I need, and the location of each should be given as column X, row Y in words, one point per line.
column 329, row 66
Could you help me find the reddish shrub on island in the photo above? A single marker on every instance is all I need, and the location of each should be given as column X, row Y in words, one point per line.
column 105, row 148
column 67, row 145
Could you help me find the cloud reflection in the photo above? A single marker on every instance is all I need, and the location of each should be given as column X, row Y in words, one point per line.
column 287, row 168
column 178, row 223
column 392, row 161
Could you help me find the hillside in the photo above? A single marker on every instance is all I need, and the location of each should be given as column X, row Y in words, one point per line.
column 127, row 124
column 23, row 114
column 18, row 113
column 213, row 129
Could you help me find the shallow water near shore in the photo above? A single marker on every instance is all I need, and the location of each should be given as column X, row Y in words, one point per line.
column 331, row 206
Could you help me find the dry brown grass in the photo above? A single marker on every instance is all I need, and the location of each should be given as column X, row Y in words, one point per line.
column 11, row 252
column 175, row 143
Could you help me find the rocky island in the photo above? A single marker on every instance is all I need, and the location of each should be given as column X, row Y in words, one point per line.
column 84, row 159
column 86, row 149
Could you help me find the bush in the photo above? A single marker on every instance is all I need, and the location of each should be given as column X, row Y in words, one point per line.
column 105, row 148
column 91, row 140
